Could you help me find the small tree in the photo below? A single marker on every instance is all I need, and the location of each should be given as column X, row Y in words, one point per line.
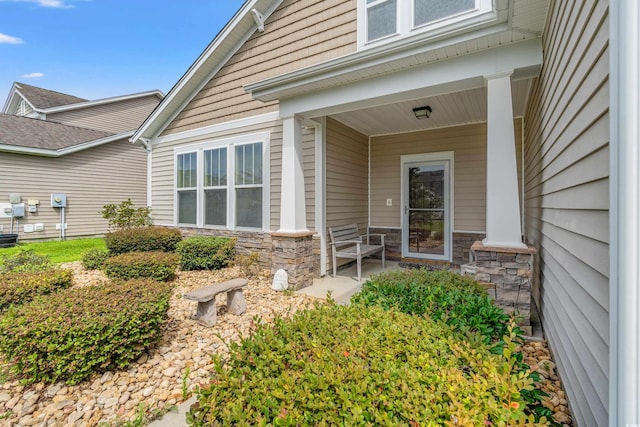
column 125, row 215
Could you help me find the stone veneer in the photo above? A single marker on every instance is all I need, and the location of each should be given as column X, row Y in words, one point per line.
column 294, row 252
column 507, row 273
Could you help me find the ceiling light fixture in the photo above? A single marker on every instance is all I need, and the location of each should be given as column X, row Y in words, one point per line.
column 422, row 112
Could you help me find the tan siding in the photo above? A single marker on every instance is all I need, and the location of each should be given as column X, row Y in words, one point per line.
column 469, row 144
column 284, row 46
column 308, row 147
column 162, row 187
column 346, row 177
column 114, row 117
column 567, row 199
column 92, row 178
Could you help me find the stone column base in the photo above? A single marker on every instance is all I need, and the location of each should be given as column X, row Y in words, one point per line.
column 293, row 252
column 507, row 273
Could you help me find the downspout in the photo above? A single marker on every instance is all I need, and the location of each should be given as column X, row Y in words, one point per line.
column 146, row 143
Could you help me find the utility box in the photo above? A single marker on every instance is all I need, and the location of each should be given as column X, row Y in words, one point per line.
column 17, row 210
column 58, row 200
column 15, row 198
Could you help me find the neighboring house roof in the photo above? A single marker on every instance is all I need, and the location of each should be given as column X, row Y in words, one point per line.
column 238, row 30
column 42, row 99
column 39, row 137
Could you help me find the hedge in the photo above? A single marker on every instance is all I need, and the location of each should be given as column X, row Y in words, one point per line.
column 135, row 265
column 143, row 239
column 206, row 253
column 72, row 334
column 18, row 288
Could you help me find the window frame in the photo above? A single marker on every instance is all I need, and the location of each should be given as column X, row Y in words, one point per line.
column 230, row 144
column 449, row 26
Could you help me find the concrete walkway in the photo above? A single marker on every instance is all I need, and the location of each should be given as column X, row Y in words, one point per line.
column 342, row 287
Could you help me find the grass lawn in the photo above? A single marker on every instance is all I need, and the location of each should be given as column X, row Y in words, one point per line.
column 66, row 251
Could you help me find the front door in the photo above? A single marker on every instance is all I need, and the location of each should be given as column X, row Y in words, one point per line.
column 426, row 215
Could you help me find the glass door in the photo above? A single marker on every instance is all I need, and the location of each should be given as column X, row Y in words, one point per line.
column 426, row 228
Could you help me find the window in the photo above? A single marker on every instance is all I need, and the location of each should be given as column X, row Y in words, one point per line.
column 388, row 20
column 220, row 184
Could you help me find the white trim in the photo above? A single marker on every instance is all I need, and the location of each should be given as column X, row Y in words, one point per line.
column 229, row 143
column 320, row 187
column 483, row 14
column 624, row 214
column 443, row 156
column 469, row 232
column 149, row 178
column 102, row 101
column 206, row 131
column 64, row 151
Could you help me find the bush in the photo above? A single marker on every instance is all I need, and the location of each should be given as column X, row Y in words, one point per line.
column 355, row 365
column 206, row 253
column 93, row 259
column 24, row 261
column 91, row 330
column 18, row 288
column 145, row 239
column 135, row 265
column 125, row 215
column 442, row 295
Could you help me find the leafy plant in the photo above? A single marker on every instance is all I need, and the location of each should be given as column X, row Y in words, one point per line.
column 93, row 259
column 126, row 215
column 356, row 365
column 135, row 265
column 442, row 295
column 91, row 330
column 26, row 260
column 18, row 288
column 249, row 264
column 146, row 239
column 205, row 252
column 185, row 383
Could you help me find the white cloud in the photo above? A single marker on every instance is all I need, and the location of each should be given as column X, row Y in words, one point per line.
column 10, row 39
column 32, row 76
column 58, row 4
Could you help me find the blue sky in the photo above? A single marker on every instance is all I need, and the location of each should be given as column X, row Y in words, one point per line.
column 101, row 48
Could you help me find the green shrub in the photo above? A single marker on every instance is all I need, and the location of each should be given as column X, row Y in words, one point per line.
column 356, row 365
column 18, row 288
column 442, row 295
column 206, row 253
column 24, row 261
column 93, row 259
column 77, row 332
column 145, row 239
column 125, row 215
column 135, row 265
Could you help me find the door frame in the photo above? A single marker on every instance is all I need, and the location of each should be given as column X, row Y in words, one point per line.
column 441, row 156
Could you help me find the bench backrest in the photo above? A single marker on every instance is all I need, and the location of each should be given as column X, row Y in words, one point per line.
column 344, row 232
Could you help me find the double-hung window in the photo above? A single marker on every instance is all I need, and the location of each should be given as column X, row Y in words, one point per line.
column 220, row 184
column 385, row 20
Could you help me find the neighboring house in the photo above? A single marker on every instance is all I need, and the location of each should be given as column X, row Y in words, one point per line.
column 303, row 115
column 53, row 143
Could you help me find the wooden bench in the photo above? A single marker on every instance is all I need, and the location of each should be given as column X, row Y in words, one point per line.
column 206, row 297
column 346, row 242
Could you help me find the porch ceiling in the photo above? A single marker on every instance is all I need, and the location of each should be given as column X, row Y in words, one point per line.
column 450, row 109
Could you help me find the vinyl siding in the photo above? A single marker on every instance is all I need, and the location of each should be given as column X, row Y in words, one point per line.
column 92, row 178
column 284, row 46
column 469, row 144
column 567, row 199
column 346, row 178
column 113, row 117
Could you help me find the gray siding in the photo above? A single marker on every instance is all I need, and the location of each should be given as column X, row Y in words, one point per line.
column 114, row 117
column 91, row 178
column 567, row 199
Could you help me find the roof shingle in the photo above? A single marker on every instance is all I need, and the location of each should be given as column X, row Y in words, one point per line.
column 43, row 98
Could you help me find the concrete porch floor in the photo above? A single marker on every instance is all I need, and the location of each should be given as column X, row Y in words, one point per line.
column 345, row 284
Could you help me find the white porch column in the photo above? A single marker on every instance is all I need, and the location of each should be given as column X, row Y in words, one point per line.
column 503, row 209
column 293, row 216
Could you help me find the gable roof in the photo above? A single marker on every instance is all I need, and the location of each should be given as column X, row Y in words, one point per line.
column 34, row 136
column 238, row 30
column 42, row 99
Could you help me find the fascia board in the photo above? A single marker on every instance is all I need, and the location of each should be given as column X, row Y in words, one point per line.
column 102, row 101
column 15, row 92
column 64, row 151
column 212, row 59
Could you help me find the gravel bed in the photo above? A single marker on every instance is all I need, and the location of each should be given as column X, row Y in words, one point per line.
column 182, row 361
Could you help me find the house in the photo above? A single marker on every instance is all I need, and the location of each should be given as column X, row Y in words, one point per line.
column 54, row 145
column 470, row 128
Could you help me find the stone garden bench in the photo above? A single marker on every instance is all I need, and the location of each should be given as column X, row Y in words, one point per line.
column 206, row 298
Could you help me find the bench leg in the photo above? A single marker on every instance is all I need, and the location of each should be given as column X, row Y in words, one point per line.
column 235, row 302
column 206, row 313
column 359, row 262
